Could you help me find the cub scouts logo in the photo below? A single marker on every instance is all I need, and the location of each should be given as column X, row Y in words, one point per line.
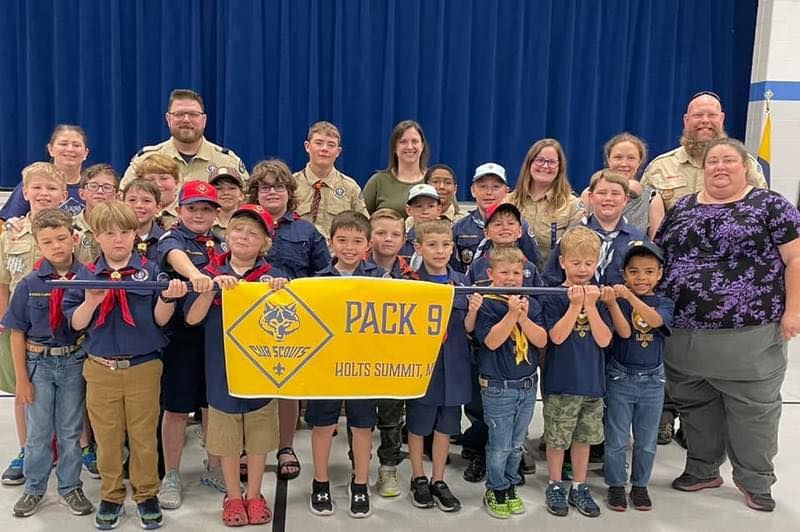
column 582, row 324
column 141, row 275
column 338, row 192
column 224, row 246
column 279, row 354
column 162, row 277
column 86, row 241
column 265, row 279
column 466, row 256
column 202, row 189
column 279, row 321
column 526, row 273
column 642, row 328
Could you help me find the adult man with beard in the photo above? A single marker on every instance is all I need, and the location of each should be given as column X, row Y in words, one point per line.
column 197, row 157
column 679, row 172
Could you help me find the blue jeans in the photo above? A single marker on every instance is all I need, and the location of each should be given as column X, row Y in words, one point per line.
column 507, row 413
column 58, row 404
column 634, row 398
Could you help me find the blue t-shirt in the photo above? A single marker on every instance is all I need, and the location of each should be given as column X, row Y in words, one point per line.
column 17, row 206
column 478, row 275
column 645, row 347
column 577, row 365
column 501, row 363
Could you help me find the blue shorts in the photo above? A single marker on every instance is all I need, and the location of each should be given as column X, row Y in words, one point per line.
column 423, row 419
column 183, row 384
column 361, row 413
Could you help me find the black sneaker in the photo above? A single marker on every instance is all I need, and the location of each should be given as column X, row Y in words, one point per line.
column 359, row 501
column 108, row 515
column 77, row 502
column 444, row 498
column 150, row 515
column 596, row 453
column 521, row 472
column 27, row 505
column 687, row 482
column 763, row 502
column 640, row 499
column 617, row 500
column 476, row 470
column 321, row 502
column 420, row 493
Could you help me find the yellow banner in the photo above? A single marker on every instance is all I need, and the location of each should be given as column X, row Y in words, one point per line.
column 333, row 337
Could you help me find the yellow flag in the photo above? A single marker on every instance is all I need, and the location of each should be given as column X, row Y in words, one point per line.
column 334, row 337
column 765, row 148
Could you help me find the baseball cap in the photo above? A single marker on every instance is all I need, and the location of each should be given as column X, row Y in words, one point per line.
column 499, row 208
column 194, row 191
column 490, row 169
column 258, row 213
column 639, row 247
column 422, row 191
column 218, row 172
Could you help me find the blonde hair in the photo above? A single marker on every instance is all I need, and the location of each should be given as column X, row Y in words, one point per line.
column 112, row 215
column 506, row 254
column 158, row 163
column 246, row 219
column 432, row 227
column 46, row 170
column 562, row 191
column 610, row 176
column 324, row 128
column 580, row 241
column 388, row 214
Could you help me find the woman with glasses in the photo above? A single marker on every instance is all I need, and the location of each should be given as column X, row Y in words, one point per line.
column 68, row 149
column 299, row 249
column 544, row 196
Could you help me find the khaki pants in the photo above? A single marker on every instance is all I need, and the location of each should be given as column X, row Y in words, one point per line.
column 124, row 401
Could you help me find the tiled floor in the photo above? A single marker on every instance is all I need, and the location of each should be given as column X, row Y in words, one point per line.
column 714, row 510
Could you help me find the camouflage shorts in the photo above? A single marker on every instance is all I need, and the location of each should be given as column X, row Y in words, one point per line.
column 572, row 418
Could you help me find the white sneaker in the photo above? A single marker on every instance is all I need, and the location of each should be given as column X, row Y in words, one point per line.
column 387, row 482
column 171, row 496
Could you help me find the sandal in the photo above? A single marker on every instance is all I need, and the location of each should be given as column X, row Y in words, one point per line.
column 258, row 512
column 243, row 467
column 282, row 466
column 234, row 513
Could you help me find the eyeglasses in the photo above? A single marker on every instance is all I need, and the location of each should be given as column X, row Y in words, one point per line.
column 263, row 189
column 105, row 187
column 547, row 163
column 180, row 115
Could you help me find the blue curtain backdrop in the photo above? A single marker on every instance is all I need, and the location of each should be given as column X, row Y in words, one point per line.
column 485, row 78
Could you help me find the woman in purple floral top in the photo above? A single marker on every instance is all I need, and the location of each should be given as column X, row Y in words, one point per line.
column 733, row 269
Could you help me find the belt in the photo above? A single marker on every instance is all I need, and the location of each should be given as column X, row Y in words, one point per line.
column 51, row 351
column 123, row 362
column 521, row 384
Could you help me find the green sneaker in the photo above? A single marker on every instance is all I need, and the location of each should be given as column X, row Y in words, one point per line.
column 496, row 504
column 515, row 504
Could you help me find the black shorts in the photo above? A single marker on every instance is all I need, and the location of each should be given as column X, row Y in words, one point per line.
column 183, row 384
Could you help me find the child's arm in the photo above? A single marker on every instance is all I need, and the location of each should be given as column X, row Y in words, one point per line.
column 164, row 309
column 182, row 264
column 621, row 325
column 600, row 331
column 648, row 313
column 563, row 327
column 532, row 331
column 82, row 316
column 18, row 349
column 475, row 301
column 502, row 330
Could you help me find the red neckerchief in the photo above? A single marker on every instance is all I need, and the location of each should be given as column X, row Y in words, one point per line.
column 56, row 313
column 115, row 294
column 214, row 267
column 209, row 243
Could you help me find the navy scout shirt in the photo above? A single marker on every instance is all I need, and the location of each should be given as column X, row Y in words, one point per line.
column 468, row 234
column 645, row 347
column 298, row 248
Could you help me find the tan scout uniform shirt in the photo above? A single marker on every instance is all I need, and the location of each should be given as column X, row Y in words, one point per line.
column 540, row 216
column 674, row 174
column 339, row 193
column 88, row 249
column 168, row 216
column 207, row 156
column 18, row 253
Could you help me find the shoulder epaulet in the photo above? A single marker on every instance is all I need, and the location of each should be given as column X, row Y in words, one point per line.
column 146, row 149
column 166, row 233
column 662, row 155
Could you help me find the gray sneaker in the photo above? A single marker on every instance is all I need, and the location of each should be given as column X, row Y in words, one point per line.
column 171, row 487
column 27, row 505
column 77, row 502
column 212, row 478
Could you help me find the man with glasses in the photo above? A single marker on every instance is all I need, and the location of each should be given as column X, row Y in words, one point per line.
column 196, row 156
column 679, row 172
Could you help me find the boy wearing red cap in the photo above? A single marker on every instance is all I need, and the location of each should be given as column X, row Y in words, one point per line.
column 235, row 424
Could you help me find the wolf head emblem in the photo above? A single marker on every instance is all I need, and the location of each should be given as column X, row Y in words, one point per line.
column 279, row 321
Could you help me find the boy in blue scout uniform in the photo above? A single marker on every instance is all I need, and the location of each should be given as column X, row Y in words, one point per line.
column 573, row 372
column 423, row 205
column 183, row 252
column 503, row 229
column 439, row 411
column 635, row 375
column 608, row 194
column 144, row 198
column 350, row 235
column 509, row 332
column 489, row 186
column 388, row 236
column 48, row 363
column 124, row 339
column 234, row 423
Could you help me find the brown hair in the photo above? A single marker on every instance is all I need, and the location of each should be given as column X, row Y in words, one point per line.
column 143, row 185
column 394, row 138
column 727, row 141
column 562, row 191
column 277, row 171
column 111, row 215
column 63, row 128
column 507, row 254
column 609, row 176
column 580, row 241
column 51, row 219
column 324, row 128
column 185, row 94
column 351, row 220
column 158, row 163
column 388, row 214
column 97, row 169
column 432, row 227
column 46, row 170
column 641, row 147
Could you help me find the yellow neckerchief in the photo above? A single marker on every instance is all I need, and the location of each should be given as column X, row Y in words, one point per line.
column 519, row 338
